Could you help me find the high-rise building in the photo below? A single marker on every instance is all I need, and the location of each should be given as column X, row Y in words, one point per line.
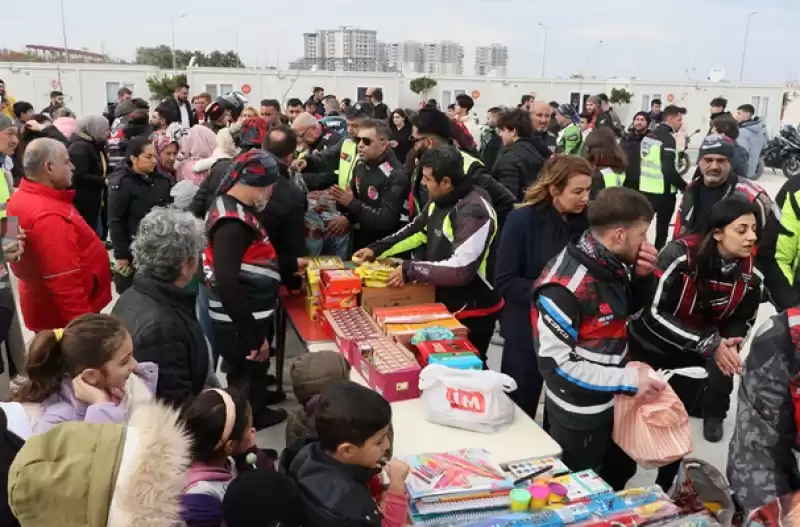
column 442, row 58
column 341, row 49
column 491, row 58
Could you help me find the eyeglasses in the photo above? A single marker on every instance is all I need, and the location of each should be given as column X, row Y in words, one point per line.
column 366, row 140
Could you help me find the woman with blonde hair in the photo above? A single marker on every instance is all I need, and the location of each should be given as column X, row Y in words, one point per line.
column 249, row 113
column 553, row 214
column 605, row 155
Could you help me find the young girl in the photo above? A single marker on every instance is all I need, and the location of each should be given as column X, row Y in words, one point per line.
column 220, row 424
column 80, row 373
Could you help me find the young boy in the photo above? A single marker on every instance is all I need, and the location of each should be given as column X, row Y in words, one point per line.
column 334, row 473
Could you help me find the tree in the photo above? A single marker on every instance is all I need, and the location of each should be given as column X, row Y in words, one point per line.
column 161, row 57
column 422, row 85
column 162, row 87
column 620, row 96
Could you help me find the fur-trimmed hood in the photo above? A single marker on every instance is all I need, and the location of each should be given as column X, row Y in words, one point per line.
column 101, row 475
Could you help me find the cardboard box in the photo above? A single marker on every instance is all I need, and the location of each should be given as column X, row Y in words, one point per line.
column 415, row 314
column 389, row 369
column 312, row 307
column 408, row 295
column 433, row 347
column 402, row 333
column 337, row 301
column 340, row 282
column 349, row 327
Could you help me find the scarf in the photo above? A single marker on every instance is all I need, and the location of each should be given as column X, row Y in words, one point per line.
column 595, row 250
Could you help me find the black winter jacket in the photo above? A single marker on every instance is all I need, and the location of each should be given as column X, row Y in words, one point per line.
column 131, row 196
column 208, row 188
column 333, row 494
column 631, row 145
column 89, row 178
column 518, row 166
column 172, row 105
column 284, row 219
column 162, row 322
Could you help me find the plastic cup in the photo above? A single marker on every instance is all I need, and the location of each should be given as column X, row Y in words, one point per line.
column 558, row 493
column 539, row 494
column 520, row 500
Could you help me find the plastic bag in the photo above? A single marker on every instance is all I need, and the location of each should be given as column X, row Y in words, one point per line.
column 469, row 399
column 658, row 433
column 701, row 488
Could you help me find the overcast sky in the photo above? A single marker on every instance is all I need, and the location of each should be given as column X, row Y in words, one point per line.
column 685, row 39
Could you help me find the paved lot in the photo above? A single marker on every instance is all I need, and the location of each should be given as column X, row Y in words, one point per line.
column 714, row 453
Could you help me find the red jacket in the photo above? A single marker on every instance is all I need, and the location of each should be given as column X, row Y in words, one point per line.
column 64, row 272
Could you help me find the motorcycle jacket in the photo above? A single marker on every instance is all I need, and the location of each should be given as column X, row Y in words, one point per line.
column 677, row 320
column 581, row 304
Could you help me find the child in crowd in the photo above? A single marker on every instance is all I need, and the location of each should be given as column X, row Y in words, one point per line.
column 262, row 498
column 311, row 374
column 102, row 474
column 220, row 423
column 81, row 373
column 334, row 473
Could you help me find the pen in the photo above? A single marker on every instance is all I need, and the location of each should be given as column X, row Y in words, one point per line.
column 533, row 475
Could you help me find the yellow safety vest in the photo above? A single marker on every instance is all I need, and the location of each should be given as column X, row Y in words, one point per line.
column 651, row 179
column 347, row 160
column 469, row 160
column 611, row 178
column 5, row 193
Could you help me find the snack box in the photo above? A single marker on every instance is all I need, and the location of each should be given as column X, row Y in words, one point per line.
column 408, row 295
column 313, row 307
column 327, row 301
column 326, row 262
column 430, row 347
column 458, row 361
column 340, row 282
column 349, row 327
column 402, row 333
column 389, row 369
column 410, row 314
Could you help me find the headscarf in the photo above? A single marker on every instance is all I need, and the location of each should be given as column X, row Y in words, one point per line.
column 66, row 125
column 198, row 144
column 255, row 168
column 93, row 127
column 226, row 149
column 162, row 140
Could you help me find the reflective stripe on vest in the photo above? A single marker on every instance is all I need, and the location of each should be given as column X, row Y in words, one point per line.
column 447, row 232
column 347, row 160
column 469, row 160
column 612, row 179
column 5, row 193
column 651, row 180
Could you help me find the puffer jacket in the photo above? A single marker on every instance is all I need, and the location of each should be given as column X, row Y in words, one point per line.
column 162, row 322
column 518, row 166
column 753, row 138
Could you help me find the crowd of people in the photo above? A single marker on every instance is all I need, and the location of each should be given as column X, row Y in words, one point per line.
column 537, row 220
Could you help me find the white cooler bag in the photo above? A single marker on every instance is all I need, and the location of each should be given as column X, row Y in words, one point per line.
column 469, row 399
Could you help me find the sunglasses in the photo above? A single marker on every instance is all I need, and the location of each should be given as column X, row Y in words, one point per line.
column 366, row 140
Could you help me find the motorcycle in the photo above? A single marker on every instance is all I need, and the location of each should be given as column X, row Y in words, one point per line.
column 790, row 151
column 684, row 163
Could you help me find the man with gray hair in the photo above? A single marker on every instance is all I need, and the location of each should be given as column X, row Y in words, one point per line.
column 159, row 308
column 65, row 271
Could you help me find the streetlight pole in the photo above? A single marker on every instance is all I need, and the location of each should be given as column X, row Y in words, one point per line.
column 544, row 51
column 744, row 48
column 64, row 32
column 174, row 66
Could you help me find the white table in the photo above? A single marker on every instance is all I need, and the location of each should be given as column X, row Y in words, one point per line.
column 413, row 434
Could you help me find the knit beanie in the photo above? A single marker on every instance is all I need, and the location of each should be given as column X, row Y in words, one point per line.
column 262, row 498
column 312, row 372
column 717, row 144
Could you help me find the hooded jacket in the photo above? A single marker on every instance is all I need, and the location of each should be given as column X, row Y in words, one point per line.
column 99, row 475
column 338, row 495
column 753, row 138
column 62, row 406
column 64, row 272
column 131, row 196
column 518, row 166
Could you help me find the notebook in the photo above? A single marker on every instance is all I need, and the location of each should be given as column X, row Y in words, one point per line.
column 453, row 477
